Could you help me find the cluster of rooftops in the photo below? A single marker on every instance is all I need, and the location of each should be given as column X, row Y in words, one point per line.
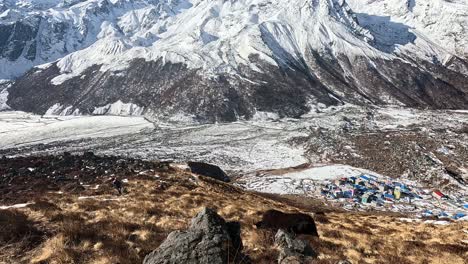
column 372, row 191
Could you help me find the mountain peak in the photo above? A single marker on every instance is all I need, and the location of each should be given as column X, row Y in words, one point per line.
column 323, row 51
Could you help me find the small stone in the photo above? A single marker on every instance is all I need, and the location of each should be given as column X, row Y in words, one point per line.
column 292, row 250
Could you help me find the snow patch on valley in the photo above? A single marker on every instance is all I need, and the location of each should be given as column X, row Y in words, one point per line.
column 59, row 110
column 15, row 206
column 119, row 108
column 20, row 129
column 299, row 181
column 243, row 146
column 262, row 116
column 3, row 100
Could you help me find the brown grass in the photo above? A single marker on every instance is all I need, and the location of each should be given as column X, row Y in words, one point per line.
column 14, row 226
column 123, row 229
column 333, row 233
column 17, row 234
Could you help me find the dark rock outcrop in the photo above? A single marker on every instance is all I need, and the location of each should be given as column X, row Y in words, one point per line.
column 293, row 250
column 19, row 38
column 68, row 173
column 296, row 75
column 296, row 223
column 165, row 89
column 208, row 170
column 209, row 239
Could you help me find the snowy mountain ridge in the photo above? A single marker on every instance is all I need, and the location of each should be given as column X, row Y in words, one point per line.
column 149, row 29
column 340, row 52
column 214, row 35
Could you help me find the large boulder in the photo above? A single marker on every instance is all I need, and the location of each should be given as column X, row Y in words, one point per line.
column 293, row 250
column 297, row 223
column 209, row 240
column 208, row 170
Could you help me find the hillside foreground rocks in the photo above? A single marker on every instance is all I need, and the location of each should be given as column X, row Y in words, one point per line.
column 209, row 239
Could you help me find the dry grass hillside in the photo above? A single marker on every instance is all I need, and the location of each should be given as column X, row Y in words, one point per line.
column 94, row 225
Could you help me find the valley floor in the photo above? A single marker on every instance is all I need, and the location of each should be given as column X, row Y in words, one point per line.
column 274, row 163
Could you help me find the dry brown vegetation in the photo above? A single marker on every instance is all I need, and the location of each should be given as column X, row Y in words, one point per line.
column 105, row 228
column 407, row 152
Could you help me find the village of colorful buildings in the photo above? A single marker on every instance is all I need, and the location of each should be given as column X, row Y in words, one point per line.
column 368, row 192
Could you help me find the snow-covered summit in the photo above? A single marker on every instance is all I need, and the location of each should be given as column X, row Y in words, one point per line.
column 442, row 22
column 221, row 34
column 333, row 51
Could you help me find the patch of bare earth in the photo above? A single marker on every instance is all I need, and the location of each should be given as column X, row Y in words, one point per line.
column 438, row 158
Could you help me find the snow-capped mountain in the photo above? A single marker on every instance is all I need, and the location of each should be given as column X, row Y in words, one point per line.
column 222, row 60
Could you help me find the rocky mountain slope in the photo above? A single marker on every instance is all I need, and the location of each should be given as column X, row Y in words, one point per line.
column 228, row 60
column 63, row 209
column 430, row 147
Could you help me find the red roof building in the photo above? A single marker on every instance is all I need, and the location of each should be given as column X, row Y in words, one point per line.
column 438, row 194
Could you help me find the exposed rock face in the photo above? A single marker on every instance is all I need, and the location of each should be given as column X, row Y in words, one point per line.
column 166, row 89
column 227, row 64
column 21, row 36
column 209, row 240
column 293, row 250
column 209, row 170
column 297, row 223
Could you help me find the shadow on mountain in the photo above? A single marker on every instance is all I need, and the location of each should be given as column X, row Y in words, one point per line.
column 411, row 5
column 388, row 34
